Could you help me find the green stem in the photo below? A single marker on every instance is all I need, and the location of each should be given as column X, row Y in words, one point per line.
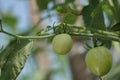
column 97, row 36
column 104, row 32
column 108, row 37
column 81, row 31
column 13, row 35
column 94, row 30
column 36, row 37
column 1, row 29
column 28, row 37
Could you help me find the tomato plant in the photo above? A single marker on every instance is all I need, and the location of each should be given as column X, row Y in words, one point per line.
column 95, row 33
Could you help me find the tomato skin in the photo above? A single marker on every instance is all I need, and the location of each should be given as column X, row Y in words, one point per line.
column 99, row 60
column 62, row 43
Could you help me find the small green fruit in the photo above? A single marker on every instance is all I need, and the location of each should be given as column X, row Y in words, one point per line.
column 62, row 43
column 99, row 60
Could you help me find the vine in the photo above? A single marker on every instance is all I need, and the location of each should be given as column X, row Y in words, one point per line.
column 70, row 29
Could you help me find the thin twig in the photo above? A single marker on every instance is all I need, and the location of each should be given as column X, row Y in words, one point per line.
column 1, row 29
column 10, row 34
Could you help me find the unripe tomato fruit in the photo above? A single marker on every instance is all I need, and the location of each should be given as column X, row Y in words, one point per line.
column 62, row 43
column 99, row 60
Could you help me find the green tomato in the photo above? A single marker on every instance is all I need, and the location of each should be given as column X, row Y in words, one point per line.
column 62, row 43
column 99, row 60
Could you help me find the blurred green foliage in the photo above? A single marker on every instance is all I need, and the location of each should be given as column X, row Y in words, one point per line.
column 10, row 20
column 43, row 4
column 69, row 18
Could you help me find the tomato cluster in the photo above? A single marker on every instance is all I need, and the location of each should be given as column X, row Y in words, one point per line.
column 98, row 59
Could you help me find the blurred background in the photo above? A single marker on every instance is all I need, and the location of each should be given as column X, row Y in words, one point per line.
column 30, row 16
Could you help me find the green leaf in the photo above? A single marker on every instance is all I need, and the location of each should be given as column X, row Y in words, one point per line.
column 4, row 54
column 43, row 4
column 13, row 58
column 116, row 3
column 93, row 18
column 107, row 43
column 62, row 8
column 69, row 18
column 107, row 9
column 116, row 9
column 93, row 15
column 10, row 20
column 116, row 27
column 66, row 8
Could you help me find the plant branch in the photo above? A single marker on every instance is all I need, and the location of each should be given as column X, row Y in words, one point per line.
column 10, row 34
column 81, row 31
column 97, row 36
column 28, row 37
column 36, row 37
column 82, row 28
